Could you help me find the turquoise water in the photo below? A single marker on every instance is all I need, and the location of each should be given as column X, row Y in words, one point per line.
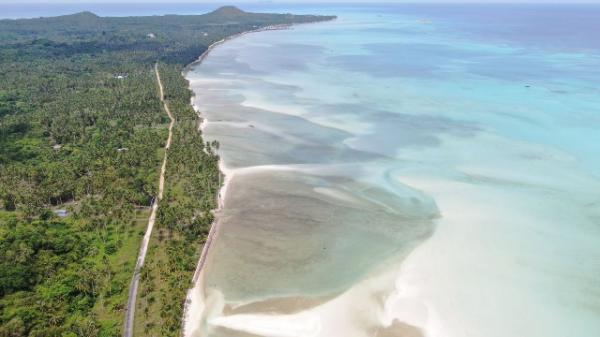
column 425, row 168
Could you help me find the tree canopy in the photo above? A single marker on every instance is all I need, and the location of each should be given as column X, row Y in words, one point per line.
column 82, row 132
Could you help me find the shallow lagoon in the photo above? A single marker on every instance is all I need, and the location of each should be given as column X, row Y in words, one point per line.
column 407, row 170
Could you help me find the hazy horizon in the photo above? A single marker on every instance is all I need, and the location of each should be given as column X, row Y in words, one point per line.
column 300, row 2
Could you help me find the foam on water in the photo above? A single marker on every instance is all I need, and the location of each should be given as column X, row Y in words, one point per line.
column 407, row 170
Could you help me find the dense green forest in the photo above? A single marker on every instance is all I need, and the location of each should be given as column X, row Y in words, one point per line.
column 82, row 133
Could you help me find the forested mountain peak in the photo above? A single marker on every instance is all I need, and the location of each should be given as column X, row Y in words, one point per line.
column 85, row 14
column 80, row 17
column 228, row 11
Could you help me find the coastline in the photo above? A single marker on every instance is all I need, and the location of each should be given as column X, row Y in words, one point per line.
column 499, row 233
column 300, row 317
column 300, row 314
column 202, row 56
column 190, row 305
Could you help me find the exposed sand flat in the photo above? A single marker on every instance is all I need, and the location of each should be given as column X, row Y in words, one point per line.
column 339, row 316
column 398, row 329
column 224, row 332
column 276, row 306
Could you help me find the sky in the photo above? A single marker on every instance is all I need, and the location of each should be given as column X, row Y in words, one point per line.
column 296, row 1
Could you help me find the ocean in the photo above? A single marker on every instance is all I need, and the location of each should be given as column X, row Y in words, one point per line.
column 406, row 170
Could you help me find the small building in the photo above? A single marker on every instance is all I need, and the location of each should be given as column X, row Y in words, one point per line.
column 57, row 147
column 151, row 35
column 62, row 213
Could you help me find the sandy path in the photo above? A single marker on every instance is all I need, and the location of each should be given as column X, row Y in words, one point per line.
column 130, row 309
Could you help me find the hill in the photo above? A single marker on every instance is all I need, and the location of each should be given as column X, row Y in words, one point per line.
column 228, row 11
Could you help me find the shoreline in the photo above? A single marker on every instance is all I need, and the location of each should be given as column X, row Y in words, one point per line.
column 299, row 318
column 205, row 54
column 226, row 173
